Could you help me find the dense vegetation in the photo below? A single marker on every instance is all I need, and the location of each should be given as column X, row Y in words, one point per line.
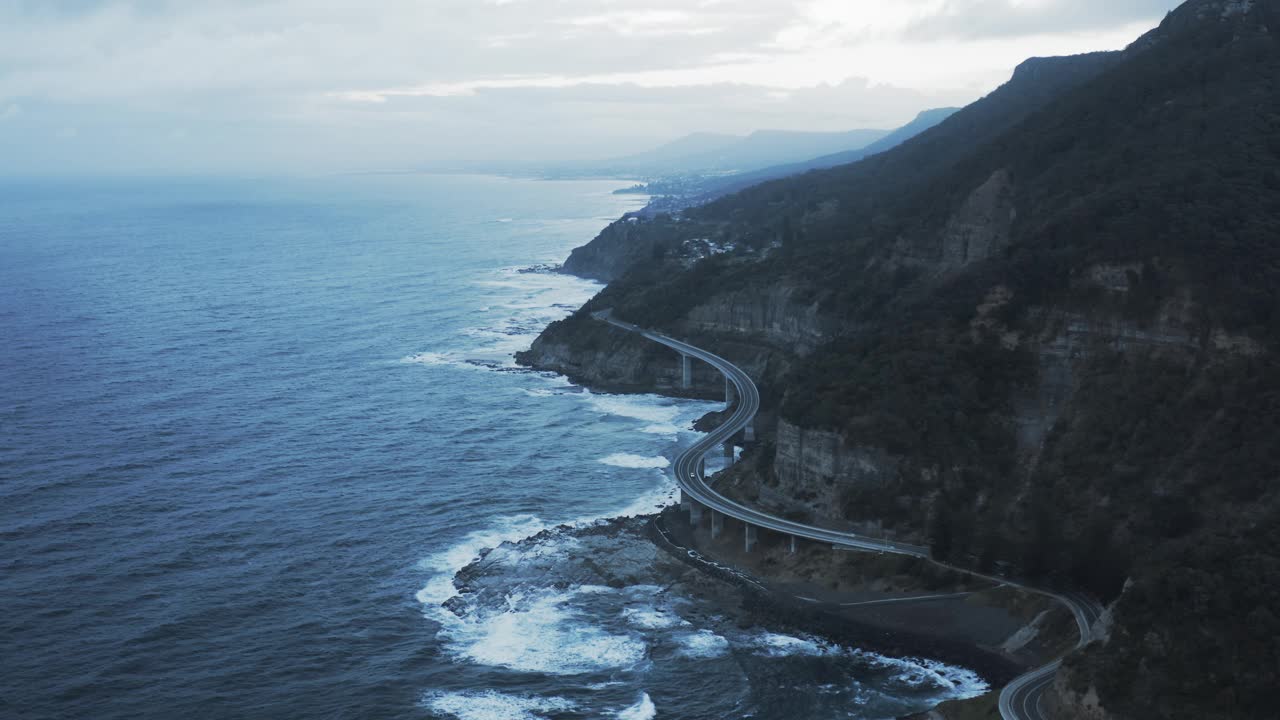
column 1194, row 636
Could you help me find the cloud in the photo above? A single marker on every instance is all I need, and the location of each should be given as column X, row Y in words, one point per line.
column 132, row 50
column 411, row 82
column 995, row 18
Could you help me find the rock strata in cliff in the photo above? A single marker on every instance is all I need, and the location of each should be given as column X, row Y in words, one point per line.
column 783, row 315
column 816, row 468
column 598, row 356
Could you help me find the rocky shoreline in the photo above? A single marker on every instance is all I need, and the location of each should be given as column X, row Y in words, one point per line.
column 619, row 363
column 688, row 604
column 778, row 609
column 758, row 597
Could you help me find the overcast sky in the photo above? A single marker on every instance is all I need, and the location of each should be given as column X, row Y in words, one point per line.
column 334, row 85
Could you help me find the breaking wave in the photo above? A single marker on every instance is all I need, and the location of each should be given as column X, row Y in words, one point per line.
column 493, row 705
column 540, row 631
column 627, row 460
column 703, row 644
column 642, row 710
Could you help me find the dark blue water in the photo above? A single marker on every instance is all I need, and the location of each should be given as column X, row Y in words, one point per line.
column 249, row 430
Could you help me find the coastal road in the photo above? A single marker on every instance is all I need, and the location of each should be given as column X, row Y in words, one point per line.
column 1021, row 699
column 688, row 467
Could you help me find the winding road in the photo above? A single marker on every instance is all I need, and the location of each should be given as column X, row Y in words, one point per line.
column 1021, row 699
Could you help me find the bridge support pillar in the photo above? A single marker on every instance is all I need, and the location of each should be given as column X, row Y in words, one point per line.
column 728, row 394
column 749, row 432
column 684, row 501
column 750, row 537
column 717, row 524
column 702, row 467
column 728, row 454
column 695, row 512
column 793, row 544
column 686, row 371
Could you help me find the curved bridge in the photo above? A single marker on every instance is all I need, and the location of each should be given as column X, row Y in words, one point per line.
column 689, row 466
column 1021, row 699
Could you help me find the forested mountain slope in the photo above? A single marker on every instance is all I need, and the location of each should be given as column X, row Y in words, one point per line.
column 760, row 214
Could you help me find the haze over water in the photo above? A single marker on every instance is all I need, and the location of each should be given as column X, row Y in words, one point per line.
column 250, row 429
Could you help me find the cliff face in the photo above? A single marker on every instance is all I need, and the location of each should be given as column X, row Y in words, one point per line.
column 619, row 247
column 600, row 356
column 781, row 315
column 980, row 227
column 817, row 464
column 595, row 354
column 817, row 470
column 636, row 240
column 814, row 473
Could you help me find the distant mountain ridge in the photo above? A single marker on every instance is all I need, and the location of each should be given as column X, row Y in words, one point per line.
column 923, row 121
column 1034, row 83
column 712, row 152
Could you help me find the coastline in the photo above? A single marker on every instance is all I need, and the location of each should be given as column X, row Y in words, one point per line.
column 779, row 608
column 617, row 566
column 999, row 652
column 764, row 601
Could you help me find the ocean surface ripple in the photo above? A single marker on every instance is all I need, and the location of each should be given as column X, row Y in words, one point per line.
column 251, row 429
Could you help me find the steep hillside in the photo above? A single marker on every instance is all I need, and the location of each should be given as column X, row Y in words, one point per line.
column 761, row 215
column 1041, row 337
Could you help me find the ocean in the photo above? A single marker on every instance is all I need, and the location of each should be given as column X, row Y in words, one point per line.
column 251, row 429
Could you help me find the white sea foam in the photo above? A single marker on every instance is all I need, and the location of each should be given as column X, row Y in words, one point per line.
column 662, row 495
column 540, row 631
column 667, row 430
column 642, row 710
column 449, row 359
column 649, row 408
column 920, row 673
column 449, row 561
column 702, row 644
column 650, row 618
column 517, row 305
column 513, row 528
column 915, row 673
column 429, row 358
column 492, row 705
column 537, row 630
column 779, row 645
column 628, row 460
